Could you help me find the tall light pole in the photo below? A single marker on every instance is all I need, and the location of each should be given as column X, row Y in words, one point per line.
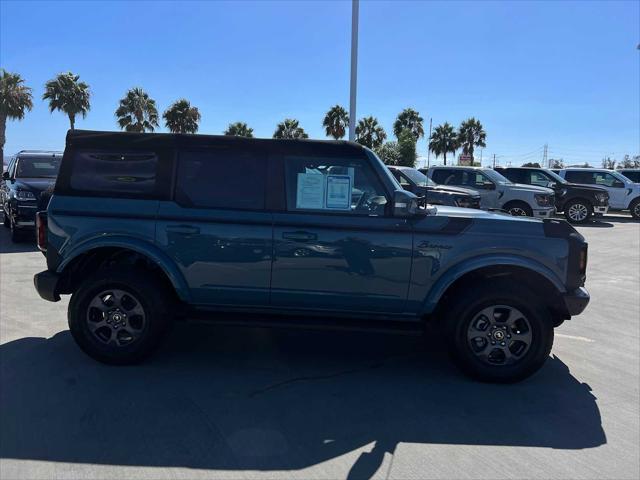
column 354, row 69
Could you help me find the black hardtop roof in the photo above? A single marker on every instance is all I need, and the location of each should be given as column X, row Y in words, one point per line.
column 101, row 139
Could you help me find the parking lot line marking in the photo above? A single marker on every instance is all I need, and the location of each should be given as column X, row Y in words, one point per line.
column 574, row 337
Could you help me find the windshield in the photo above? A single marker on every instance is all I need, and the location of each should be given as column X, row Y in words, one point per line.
column 38, row 167
column 496, row 177
column 556, row 178
column 418, row 177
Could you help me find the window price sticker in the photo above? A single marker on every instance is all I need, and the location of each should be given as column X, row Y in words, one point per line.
column 339, row 192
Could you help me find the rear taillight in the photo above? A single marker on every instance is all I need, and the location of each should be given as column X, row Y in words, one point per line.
column 41, row 230
column 583, row 260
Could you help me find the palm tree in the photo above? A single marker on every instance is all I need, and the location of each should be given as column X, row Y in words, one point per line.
column 15, row 101
column 335, row 122
column 369, row 133
column 410, row 120
column 443, row 140
column 137, row 111
column 68, row 94
column 181, row 117
column 471, row 135
column 289, row 128
column 239, row 129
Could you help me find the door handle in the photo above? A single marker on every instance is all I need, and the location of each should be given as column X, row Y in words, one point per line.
column 299, row 236
column 183, row 229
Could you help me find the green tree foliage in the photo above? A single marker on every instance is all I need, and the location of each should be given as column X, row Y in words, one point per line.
column 69, row 95
column 410, row 120
column 335, row 122
column 608, row 163
column 407, row 148
column 370, row 133
column 389, row 153
column 239, row 129
column 137, row 112
column 181, row 117
column 531, row 164
column 15, row 101
column 471, row 134
column 289, row 128
column 444, row 139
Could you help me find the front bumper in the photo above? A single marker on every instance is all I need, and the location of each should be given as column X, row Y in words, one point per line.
column 24, row 214
column 601, row 210
column 544, row 212
column 576, row 301
column 46, row 284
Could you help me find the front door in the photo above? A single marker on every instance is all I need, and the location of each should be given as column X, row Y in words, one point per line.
column 336, row 248
column 217, row 230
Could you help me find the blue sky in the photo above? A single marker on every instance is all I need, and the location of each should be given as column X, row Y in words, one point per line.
column 561, row 73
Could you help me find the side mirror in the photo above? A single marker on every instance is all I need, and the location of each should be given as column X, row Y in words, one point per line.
column 489, row 186
column 405, row 204
column 618, row 184
column 5, row 175
column 551, row 185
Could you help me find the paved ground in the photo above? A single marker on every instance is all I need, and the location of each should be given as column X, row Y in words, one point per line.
column 253, row 403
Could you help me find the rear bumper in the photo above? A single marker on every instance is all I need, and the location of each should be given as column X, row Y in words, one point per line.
column 46, row 284
column 576, row 301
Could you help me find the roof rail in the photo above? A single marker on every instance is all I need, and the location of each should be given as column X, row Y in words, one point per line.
column 54, row 152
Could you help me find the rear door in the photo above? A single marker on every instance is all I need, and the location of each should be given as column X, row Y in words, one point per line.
column 216, row 227
column 337, row 248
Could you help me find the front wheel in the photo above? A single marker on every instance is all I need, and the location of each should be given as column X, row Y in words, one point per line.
column 578, row 211
column 497, row 335
column 634, row 208
column 119, row 315
column 518, row 209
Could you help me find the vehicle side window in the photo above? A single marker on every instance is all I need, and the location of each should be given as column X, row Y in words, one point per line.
column 225, row 179
column 333, row 185
column 538, row 178
column 109, row 172
column 605, row 179
column 579, row 177
column 446, row 176
column 475, row 180
column 513, row 175
column 403, row 181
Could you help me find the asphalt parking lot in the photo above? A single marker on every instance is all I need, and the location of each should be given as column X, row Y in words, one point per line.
column 255, row 403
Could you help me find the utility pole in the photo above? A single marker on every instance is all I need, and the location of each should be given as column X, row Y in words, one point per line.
column 354, row 69
column 494, row 160
column 544, row 157
column 428, row 141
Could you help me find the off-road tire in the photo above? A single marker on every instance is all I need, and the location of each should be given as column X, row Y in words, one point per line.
column 464, row 310
column 152, row 295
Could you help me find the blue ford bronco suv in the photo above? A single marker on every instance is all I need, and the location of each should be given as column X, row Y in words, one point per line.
column 144, row 229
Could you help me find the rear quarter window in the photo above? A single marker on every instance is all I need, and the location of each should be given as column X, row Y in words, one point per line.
column 113, row 173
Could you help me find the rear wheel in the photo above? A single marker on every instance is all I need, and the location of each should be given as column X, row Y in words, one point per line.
column 578, row 211
column 119, row 315
column 497, row 335
column 634, row 208
column 518, row 209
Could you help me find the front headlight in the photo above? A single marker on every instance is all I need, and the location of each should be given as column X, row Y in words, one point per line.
column 25, row 195
column 544, row 200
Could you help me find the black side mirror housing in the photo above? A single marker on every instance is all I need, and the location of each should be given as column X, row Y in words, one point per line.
column 489, row 186
column 618, row 184
column 5, row 175
column 405, row 204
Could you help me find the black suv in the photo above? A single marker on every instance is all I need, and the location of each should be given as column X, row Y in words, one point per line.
column 417, row 182
column 632, row 174
column 26, row 188
column 578, row 202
